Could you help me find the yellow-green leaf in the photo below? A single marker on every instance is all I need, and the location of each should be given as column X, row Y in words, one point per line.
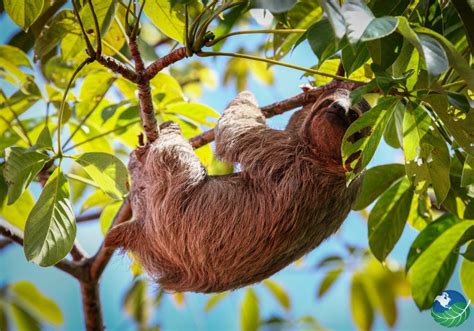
column 278, row 293
column 168, row 19
column 249, row 312
column 23, row 12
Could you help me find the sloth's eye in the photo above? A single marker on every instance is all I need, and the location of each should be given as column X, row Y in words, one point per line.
column 326, row 103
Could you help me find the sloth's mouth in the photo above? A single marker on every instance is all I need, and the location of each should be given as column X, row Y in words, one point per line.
column 342, row 117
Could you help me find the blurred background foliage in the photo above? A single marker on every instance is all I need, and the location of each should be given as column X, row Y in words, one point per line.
column 414, row 56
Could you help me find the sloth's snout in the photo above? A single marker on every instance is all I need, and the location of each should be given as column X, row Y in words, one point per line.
column 342, row 111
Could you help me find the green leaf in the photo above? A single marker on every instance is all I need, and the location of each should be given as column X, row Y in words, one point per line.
column 385, row 51
column 35, row 301
column 454, row 316
column 376, row 181
column 456, row 60
column 429, row 274
column 16, row 214
column 358, row 17
column 22, row 319
column 322, row 40
column 301, row 16
column 107, row 171
column 196, row 112
column 428, row 236
column 168, row 19
column 53, row 32
column 278, row 293
column 214, row 299
column 427, row 158
column 468, row 172
column 249, row 312
column 459, row 101
column 44, row 141
column 107, row 216
column 328, row 280
column 393, row 134
column 460, row 127
column 388, row 218
column 469, row 252
column 135, row 301
column 353, row 57
column 467, row 275
column 275, row 6
column 50, row 228
column 23, row 12
column 376, row 119
column 380, row 27
column 21, row 168
column 361, row 307
column 93, row 90
column 73, row 43
column 335, row 17
column 433, row 53
column 11, row 61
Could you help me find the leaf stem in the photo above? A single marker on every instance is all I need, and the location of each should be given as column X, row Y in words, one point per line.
column 98, row 52
column 63, row 102
column 101, row 135
column 274, row 31
column 283, row 64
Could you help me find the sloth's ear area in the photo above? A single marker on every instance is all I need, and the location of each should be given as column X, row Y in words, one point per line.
column 244, row 98
column 124, row 235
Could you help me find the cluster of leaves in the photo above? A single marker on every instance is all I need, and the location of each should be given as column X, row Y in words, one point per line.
column 374, row 287
column 22, row 305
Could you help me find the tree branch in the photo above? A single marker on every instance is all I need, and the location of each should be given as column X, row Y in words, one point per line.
column 154, row 68
column 69, row 267
column 280, row 107
column 147, row 112
column 91, row 306
column 118, row 67
column 87, row 217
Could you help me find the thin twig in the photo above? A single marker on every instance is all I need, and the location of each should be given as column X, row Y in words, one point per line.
column 87, row 217
column 118, row 67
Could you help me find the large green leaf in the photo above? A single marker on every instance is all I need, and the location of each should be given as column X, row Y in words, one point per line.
column 16, row 214
column 358, row 17
column 52, row 33
column 427, row 158
column 321, row 38
column 31, row 298
column 107, row 171
column 168, row 19
column 93, row 90
column 335, row 17
column 432, row 52
column 376, row 119
column 376, row 181
column 249, row 312
column 388, row 218
column 329, row 280
column 23, row 12
column 468, row 172
column 73, row 43
column 380, row 27
column 429, row 274
column 279, row 293
column 21, row 168
column 456, row 60
column 467, row 275
column 361, row 307
column 459, row 125
column 50, row 228
column 12, row 59
column 428, row 236
column 196, row 112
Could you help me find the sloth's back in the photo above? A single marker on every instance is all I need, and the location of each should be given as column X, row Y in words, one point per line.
column 234, row 230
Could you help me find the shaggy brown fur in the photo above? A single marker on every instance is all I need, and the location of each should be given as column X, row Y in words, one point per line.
column 194, row 232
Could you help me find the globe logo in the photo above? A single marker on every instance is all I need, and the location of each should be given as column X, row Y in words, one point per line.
column 450, row 308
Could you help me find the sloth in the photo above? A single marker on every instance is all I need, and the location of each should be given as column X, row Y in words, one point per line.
column 200, row 233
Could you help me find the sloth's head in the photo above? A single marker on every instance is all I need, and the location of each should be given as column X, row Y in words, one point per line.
column 328, row 121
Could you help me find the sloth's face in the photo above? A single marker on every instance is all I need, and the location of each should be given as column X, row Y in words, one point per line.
column 328, row 121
